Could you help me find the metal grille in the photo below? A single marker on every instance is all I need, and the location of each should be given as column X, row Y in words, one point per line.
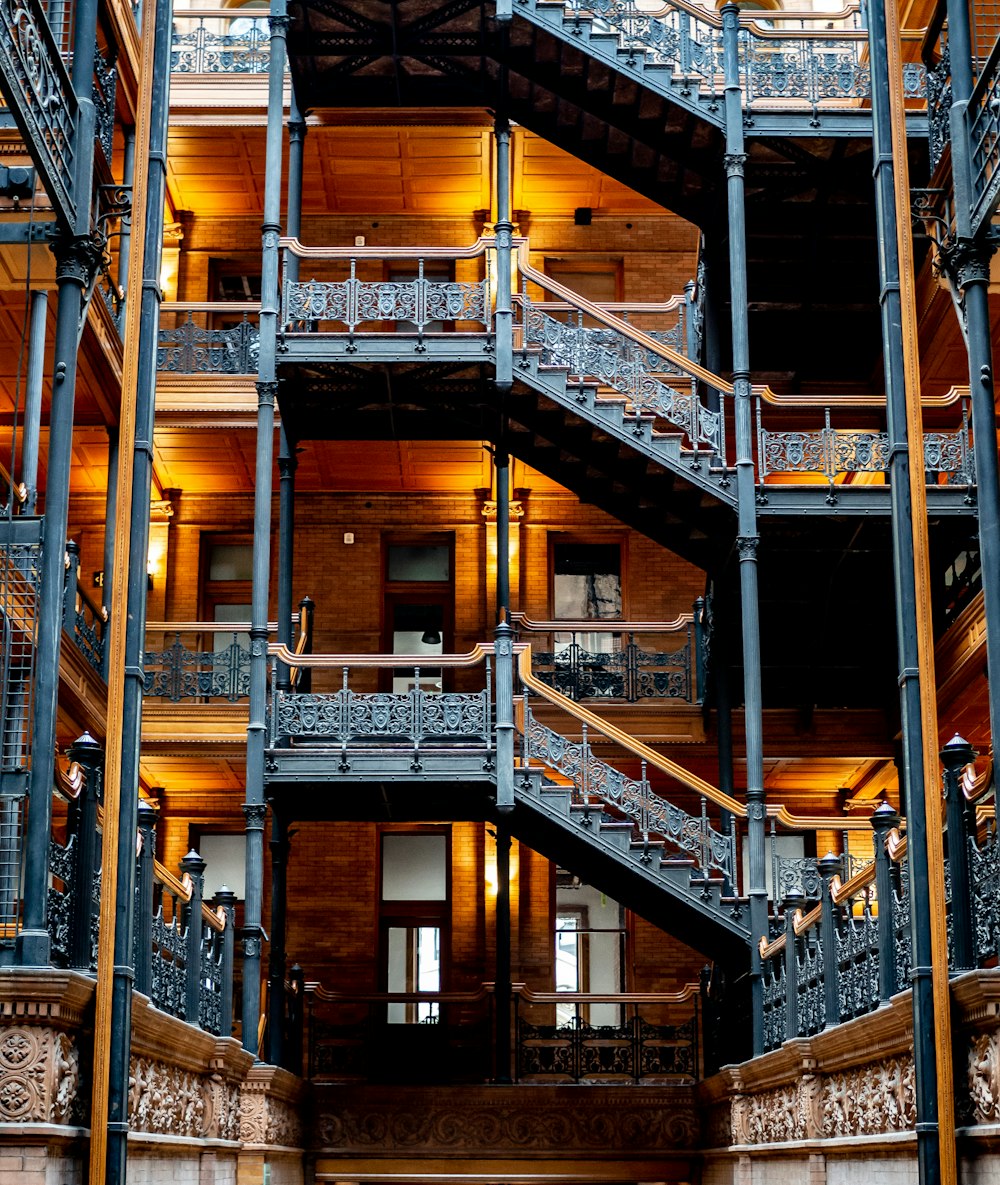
column 11, row 827
column 18, row 611
column 985, row 27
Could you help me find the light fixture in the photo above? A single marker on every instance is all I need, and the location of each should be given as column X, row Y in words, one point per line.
column 431, row 637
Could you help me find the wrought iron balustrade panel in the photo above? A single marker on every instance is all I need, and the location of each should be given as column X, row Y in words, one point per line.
column 103, row 94
column 346, row 717
column 19, row 581
column 939, row 99
column 834, row 452
column 412, row 304
column 984, row 869
column 667, row 1050
column 169, row 965
column 178, row 673
column 811, row 1001
column 191, row 349
column 774, row 1003
column 857, row 952
column 62, row 867
column 37, row 90
column 902, row 949
column 629, row 674
column 615, row 360
column 204, row 51
column 88, row 634
column 210, row 985
column 796, row 874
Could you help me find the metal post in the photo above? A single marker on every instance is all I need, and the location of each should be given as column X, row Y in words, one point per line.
column 296, row 997
column 227, row 899
column 267, row 389
column 276, row 962
column 747, row 538
column 503, row 988
column 829, row 867
column 146, row 818
column 884, row 819
column 83, row 824
column 969, row 261
column 955, row 756
column 307, row 609
column 297, row 128
column 931, row 1018
column 194, row 866
column 504, row 641
column 33, row 397
column 504, row 231
column 794, row 901
column 287, row 465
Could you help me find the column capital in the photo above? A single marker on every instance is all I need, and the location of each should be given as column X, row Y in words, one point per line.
column 78, row 259
column 735, row 162
column 746, row 547
column 255, row 813
column 267, row 393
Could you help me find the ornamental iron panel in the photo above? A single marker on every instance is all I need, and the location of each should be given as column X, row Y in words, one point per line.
column 613, row 359
column 169, row 960
column 190, row 348
column 939, row 99
column 984, row 869
column 103, row 94
column 857, row 953
column 236, row 44
column 772, row 974
column 630, row 673
column 791, row 874
column 593, row 779
column 59, row 908
column 180, row 672
column 417, row 305
column 836, row 452
column 809, row 985
column 39, row 95
column 211, row 981
column 11, row 835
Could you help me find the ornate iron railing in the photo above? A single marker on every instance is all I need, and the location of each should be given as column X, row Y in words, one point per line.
column 37, row 89
column 208, row 660
column 20, row 557
column 103, row 94
column 601, row 785
column 624, row 1037
column 212, row 338
column 838, row 452
column 85, row 622
column 603, row 666
column 416, row 717
column 220, row 41
column 797, row 58
column 419, row 305
column 984, row 135
column 984, row 867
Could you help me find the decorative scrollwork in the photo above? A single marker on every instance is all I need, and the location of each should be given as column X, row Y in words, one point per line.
column 348, row 717
column 216, row 45
column 190, row 349
column 419, row 304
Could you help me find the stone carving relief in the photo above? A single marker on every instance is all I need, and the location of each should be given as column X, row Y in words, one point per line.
column 983, row 1105
column 870, row 1100
column 222, row 1109
column 39, row 1076
column 770, row 1117
column 165, row 1099
column 267, row 1120
column 508, row 1128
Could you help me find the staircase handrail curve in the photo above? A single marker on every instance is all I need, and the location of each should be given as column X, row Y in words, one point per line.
column 710, row 17
column 690, row 991
column 479, row 247
column 692, row 781
column 604, row 626
column 209, row 627
column 762, row 391
column 17, row 488
column 70, row 780
column 976, row 786
column 181, row 888
column 614, row 306
column 314, row 987
column 470, row 658
column 210, row 306
column 605, row 728
column 649, row 344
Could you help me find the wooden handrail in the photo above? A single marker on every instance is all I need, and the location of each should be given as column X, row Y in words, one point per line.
column 313, row 987
column 764, row 392
column 479, row 247
column 208, row 627
column 19, row 491
column 210, row 306
column 616, row 306
column 688, row 992
column 522, row 621
column 470, row 659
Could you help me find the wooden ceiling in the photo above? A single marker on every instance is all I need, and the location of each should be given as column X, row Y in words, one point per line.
column 375, row 169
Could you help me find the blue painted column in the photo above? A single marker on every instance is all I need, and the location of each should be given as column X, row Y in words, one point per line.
column 747, row 539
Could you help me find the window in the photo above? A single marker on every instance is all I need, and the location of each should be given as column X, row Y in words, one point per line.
column 586, row 586
column 597, row 280
column 415, row 912
column 418, row 605
column 589, row 950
